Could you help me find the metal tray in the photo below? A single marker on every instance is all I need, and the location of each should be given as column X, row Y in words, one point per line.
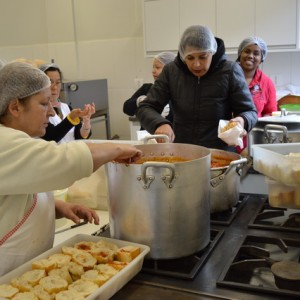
column 108, row 289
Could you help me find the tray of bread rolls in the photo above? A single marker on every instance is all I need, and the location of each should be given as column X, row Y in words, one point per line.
column 82, row 267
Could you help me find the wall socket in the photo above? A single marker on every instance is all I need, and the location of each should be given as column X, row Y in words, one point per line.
column 138, row 82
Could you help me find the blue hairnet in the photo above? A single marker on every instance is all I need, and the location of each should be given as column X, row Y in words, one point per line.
column 198, row 37
column 165, row 57
column 19, row 80
column 253, row 40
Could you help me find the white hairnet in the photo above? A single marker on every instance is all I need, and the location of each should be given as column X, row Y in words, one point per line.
column 2, row 63
column 45, row 67
column 20, row 80
column 198, row 37
column 165, row 57
column 253, row 40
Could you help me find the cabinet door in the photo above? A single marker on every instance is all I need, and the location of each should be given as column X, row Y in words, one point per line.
column 276, row 22
column 161, row 25
column 235, row 21
column 197, row 12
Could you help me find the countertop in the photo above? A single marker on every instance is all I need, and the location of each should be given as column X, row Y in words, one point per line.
column 84, row 229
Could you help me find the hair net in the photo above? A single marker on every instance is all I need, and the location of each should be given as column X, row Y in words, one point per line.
column 200, row 38
column 20, row 80
column 2, row 63
column 254, row 41
column 165, row 57
column 46, row 67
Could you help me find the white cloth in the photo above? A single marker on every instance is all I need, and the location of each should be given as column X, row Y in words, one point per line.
column 30, row 166
column 65, row 110
column 33, row 234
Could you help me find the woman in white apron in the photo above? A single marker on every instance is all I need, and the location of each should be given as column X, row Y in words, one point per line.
column 31, row 166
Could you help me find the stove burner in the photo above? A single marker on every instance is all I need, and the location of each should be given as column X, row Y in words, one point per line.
column 276, row 218
column 250, row 269
column 226, row 217
column 186, row 267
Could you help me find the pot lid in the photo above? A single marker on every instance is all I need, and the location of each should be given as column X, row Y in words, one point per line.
column 280, row 119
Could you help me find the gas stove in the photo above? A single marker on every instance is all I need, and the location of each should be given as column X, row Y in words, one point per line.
column 231, row 269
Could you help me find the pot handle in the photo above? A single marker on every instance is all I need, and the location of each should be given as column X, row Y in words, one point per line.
column 239, row 165
column 167, row 179
column 156, row 136
column 268, row 137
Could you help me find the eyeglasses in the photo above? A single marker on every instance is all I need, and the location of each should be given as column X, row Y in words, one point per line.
column 56, row 83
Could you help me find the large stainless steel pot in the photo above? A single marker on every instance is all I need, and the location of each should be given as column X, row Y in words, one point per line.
column 274, row 130
column 163, row 205
column 225, row 181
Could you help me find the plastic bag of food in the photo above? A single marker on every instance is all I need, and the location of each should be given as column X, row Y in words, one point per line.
column 230, row 133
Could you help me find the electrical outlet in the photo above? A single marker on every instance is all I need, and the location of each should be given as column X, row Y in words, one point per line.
column 138, row 82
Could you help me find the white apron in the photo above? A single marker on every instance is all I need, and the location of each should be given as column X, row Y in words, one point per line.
column 33, row 235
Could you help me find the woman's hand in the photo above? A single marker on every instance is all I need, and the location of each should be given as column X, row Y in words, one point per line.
column 165, row 129
column 75, row 212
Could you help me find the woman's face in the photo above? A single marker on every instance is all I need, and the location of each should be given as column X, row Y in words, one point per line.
column 198, row 62
column 33, row 113
column 250, row 58
column 55, row 84
column 157, row 67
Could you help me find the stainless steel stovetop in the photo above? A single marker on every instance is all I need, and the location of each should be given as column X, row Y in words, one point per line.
column 221, row 275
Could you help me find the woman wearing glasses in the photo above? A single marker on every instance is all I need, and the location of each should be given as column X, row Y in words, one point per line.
column 66, row 124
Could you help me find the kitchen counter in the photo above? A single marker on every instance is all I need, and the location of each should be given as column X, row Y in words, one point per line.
column 84, row 229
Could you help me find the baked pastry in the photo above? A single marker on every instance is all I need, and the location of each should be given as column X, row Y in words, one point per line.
column 229, row 125
column 95, row 276
column 103, row 255
column 44, row 264
column 118, row 265
column 106, row 269
column 75, row 270
column 85, row 246
column 21, row 284
column 60, row 259
column 33, row 276
column 8, row 291
column 83, row 287
column 84, row 259
column 25, row 296
column 53, row 284
column 39, row 291
column 106, row 244
column 127, row 253
column 63, row 273
column 69, row 250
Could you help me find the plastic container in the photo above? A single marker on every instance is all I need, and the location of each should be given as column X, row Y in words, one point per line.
column 273, row 161
column 109, row 288
column 284, row 196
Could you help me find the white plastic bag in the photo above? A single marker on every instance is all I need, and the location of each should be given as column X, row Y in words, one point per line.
column 231, row 137
column 91, row 191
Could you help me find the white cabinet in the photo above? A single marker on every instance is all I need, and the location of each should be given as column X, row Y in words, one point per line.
column 275, row 21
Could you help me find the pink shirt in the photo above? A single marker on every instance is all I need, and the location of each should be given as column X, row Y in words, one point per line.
column 263, row 94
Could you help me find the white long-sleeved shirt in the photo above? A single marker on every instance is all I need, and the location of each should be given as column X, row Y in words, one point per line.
column 29, row 166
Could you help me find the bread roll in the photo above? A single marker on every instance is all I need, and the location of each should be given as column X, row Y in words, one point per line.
column 75, row 270
column 103, row 255
column 39, row 291
column 53, row 284
column 8, row 291
column 33, row 276
column 25, row 296
column 63, row 273
column 127, row 253
column 44, row 264
column 95, row 276
column 84, row 259
column 229, row 125
column 21, row 284
column 83, row 287
column 106, row 269
column 60, row 259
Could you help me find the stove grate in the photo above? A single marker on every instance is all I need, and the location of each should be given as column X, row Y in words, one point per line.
column 186, row 267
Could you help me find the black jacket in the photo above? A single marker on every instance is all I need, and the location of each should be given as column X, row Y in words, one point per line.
column 199, row 103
